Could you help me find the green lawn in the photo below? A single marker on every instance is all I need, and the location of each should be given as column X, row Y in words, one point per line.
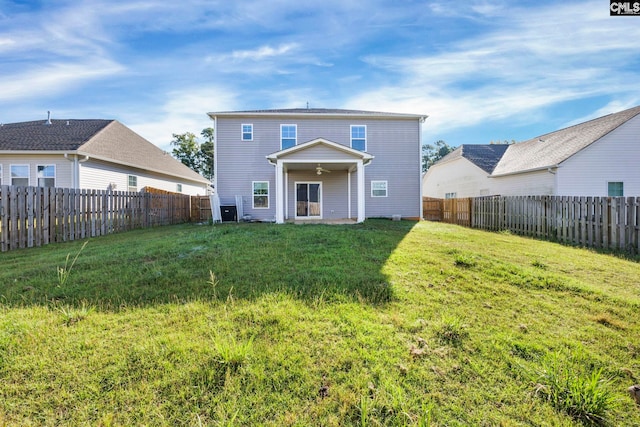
column 382, row 323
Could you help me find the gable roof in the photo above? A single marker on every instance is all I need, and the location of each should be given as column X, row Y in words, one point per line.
column 485, row 156
column 107, row 140
column 551, row 149
column 366, row 157
column 316, row 112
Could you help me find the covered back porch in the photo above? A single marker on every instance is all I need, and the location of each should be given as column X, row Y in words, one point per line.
column 319, row 181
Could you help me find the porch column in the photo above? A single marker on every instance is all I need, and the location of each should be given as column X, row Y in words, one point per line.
column 279, row 192
column 360, row 172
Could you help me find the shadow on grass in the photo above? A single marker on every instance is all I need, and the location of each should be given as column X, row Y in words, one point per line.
column 194, row 262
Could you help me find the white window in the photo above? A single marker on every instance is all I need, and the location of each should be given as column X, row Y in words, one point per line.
column 132, row 183
column 615, row 189
column 378, row 188
column 288, row 136
column 247, row 132
column 260, row 194
column 46, row 175
column 179, row 188
column 450, row 195
column 20, row 175
column 359, row 137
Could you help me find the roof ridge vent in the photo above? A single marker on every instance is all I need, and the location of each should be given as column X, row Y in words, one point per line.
column 48, row 122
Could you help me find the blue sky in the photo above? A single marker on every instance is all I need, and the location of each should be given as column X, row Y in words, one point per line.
column 482, row 70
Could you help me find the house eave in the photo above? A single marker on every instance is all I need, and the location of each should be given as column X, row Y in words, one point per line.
column 366, row 157
column 332, row 115
column 537, row 169
column 204, row 181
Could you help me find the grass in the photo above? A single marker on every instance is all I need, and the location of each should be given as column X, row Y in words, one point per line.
column 384, row 323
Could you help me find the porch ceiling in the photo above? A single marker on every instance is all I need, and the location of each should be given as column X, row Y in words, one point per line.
column 312, row 166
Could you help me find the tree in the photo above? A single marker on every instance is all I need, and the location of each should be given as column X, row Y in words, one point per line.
column 206, row 152
column 191, row 153
column 431, row 153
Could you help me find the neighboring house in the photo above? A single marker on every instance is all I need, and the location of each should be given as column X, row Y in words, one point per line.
column 318, row 163
column 464, row 172
column 89, row 154
column 600, row 157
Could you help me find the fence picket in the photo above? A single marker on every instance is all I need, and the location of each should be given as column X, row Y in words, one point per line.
column 33, row 216
column 600, row 222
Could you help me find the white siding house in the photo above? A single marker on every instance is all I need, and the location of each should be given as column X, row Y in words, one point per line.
column 600, row 157
column 89, row 154
column 319, row 164
column 463, row 173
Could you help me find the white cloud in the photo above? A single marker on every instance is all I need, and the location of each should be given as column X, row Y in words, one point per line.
column 551, row 55
column 51, row 79
column 183, row 111
column 263, row 52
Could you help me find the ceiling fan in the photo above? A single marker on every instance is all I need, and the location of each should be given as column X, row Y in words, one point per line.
column 320, row 169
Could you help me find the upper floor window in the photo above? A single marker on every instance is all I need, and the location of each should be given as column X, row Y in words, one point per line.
column 0, row 174
column 359, row 137
column 178, row 188
column 132, row 183
column 46, row 175
column 615, row 189
column 288, row 136
column 450, row 195
column 20, row 175
column 247, row 132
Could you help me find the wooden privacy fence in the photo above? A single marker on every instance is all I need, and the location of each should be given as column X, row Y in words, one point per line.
column 35, row 216
column 596, row 222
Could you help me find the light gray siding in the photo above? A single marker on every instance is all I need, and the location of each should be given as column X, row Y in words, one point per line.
column 101, row 175
column 395, row 144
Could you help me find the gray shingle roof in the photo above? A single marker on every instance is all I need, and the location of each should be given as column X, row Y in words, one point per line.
column 553, row 148
column 316, row 112
column 107, row 140
column 485, row 156
column 57, row 136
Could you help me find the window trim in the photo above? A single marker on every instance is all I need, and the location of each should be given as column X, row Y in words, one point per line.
column 351, row 138
column 615, row 182
column 386, row 188
column 295, row 139
column 129, row 186
column 28, row 173
column 242, row 132
column 55, row 175
column 254, row 195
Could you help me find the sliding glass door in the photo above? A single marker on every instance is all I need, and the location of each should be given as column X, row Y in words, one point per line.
column 308, row 200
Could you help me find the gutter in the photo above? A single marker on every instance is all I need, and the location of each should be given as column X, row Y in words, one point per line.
column 551, row 169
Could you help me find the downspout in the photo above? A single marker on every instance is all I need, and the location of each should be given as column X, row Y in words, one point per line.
column 421, row 120
column 215, row 154
column 75, row 175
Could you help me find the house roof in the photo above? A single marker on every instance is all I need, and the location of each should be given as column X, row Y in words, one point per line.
column 485, row 156
column 60, row 135
column 107, row 140
column 315, row 112
column 551, row 149
column 321, row 141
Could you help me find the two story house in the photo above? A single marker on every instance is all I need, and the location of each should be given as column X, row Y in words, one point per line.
column 318, row 164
